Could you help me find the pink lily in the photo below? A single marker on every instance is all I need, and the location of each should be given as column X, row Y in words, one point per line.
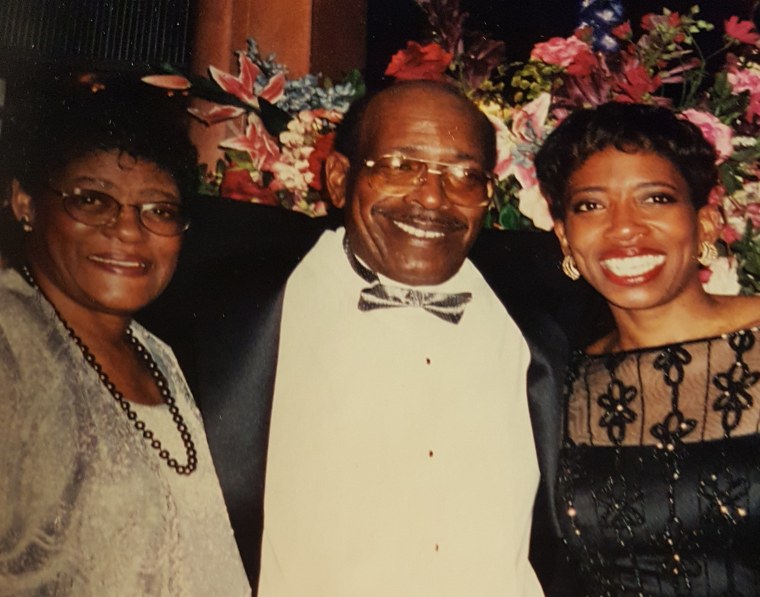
column 257, row 142
column 516, row 148
column 243, row 86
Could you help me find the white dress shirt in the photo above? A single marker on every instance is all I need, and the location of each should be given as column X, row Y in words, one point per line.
column 401, row 460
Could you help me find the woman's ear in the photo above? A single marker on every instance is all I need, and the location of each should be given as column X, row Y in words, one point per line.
column 21, row 203
column 336, row 177
column 709, row 222
column 559, row 231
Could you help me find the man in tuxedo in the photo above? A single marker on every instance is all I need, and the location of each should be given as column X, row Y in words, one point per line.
column 376, row 402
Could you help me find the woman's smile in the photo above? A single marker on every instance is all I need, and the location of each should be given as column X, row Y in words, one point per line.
column 632, row 228
column 633, row 269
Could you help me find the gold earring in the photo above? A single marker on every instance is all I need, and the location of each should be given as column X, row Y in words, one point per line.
column 26, row 224
column 708, row 253
column 569, row 268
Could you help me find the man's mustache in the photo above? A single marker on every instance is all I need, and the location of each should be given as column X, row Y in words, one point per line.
column 417, row 217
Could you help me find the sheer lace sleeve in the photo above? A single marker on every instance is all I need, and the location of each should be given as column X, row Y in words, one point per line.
column 680, row 393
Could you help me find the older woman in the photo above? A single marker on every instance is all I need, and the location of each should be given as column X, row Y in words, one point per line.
column 106, row 483
column 659, row 485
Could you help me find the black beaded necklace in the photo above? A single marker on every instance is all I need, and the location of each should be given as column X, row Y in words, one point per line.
column 158, row 379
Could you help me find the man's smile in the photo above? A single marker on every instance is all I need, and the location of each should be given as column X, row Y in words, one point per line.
column 422, row 226
column 418, row 232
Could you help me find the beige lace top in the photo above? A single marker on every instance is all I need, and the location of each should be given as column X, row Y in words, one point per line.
column 87, row 508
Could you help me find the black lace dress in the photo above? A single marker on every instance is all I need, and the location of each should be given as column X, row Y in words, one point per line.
column 659, row 483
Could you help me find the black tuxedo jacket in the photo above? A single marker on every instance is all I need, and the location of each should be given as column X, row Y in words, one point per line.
column 221, row 314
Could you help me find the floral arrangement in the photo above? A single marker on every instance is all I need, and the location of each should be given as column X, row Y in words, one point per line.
column 601, row 62
column 281, row 129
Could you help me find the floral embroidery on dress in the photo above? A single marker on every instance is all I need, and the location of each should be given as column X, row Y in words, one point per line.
column 617, row 412
column 671, row 431
column 735, row 383
column 727, row 495
column 615, row 401
column 621, row 506
column 658, row 468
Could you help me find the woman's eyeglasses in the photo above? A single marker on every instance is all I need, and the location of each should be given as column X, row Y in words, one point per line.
column 95, row 208
column 398, row 174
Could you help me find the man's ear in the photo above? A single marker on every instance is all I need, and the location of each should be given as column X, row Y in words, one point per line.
column 709, row 222
column 336, row 177
column 559, row 231
column 21, row 202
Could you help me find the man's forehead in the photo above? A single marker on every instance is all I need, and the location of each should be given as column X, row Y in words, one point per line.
column 422, row 121
column 448, row 152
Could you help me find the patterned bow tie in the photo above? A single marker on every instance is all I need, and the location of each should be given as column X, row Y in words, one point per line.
column 449, row 307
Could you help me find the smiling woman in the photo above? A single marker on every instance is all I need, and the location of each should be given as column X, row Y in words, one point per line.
column 106, row 480
column 661, row 414
column 90, row 252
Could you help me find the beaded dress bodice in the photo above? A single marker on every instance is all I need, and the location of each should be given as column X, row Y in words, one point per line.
column 659, row 482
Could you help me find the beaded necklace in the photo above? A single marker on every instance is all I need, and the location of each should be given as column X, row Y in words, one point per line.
column 158, row 378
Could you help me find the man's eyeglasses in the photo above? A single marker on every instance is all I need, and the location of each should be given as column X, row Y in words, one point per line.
column 398, row 174
column 95, row 208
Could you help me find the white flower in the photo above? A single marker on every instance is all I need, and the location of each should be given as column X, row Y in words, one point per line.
column 533, row 205
column 724, row 278
column 293, row 173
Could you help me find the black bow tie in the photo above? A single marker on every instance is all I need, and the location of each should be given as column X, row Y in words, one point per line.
column 449, row 307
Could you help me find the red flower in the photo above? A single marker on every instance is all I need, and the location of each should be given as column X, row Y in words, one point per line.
column 583, row 65
column 237, row 184
column 572, row 54
column 742, row 31
column 322, row 147
column 419, row 62
column 647, row 22
column 636, row 84
column 623, row 31
column 650, row 21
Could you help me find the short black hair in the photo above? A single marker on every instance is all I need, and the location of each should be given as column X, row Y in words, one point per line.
column 630, row 128
column 45, row 129
column 349, row 133
column 49, row 131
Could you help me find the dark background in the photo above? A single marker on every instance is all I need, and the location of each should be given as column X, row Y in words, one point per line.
column 139, row 35
column 520, row 23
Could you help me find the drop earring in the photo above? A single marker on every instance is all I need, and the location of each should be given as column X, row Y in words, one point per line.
column 569, row 268
column 26, row 224
column 708, row 253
